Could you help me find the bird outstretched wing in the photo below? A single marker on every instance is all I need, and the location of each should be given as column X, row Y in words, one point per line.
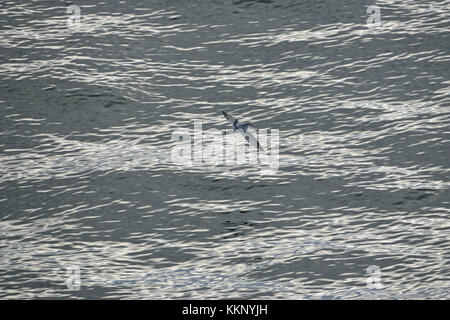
column 229, row 118
column 251, row 139
column 242, row 128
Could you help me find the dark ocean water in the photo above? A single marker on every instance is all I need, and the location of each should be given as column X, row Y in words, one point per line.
column 87, row 183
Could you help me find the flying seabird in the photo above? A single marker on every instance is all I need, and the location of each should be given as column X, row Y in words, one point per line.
column 242, row 128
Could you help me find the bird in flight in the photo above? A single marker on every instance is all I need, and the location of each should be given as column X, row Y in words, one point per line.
column 242, row 128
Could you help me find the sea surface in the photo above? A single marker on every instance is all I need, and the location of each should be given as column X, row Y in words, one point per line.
column 93, row 206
